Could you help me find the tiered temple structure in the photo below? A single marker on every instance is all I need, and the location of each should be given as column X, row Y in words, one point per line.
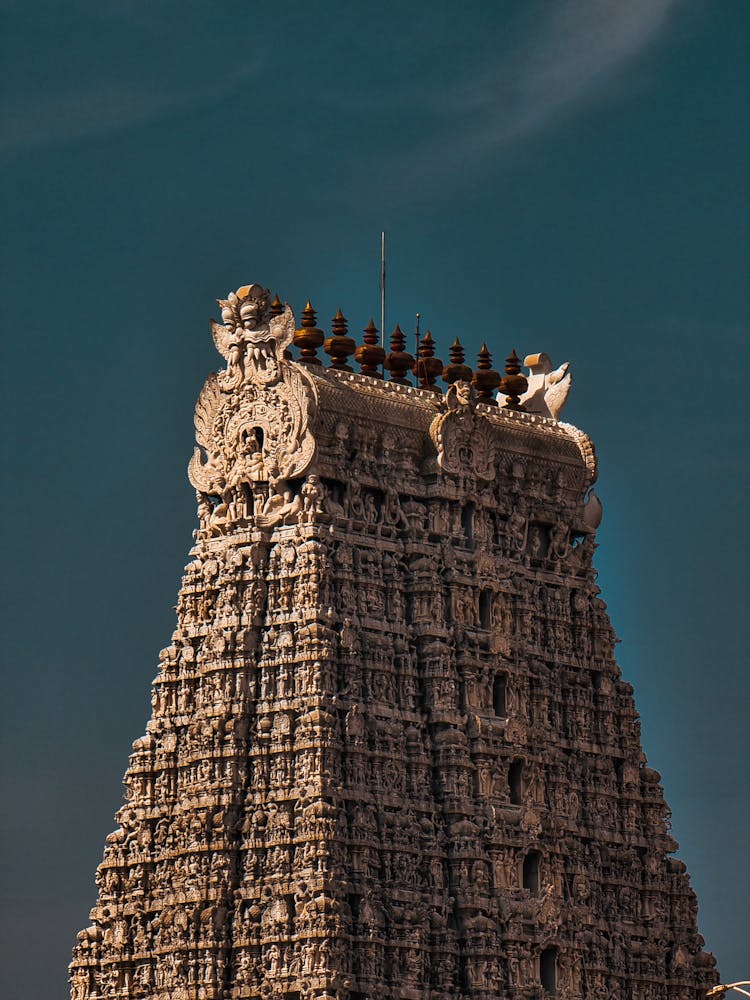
column 391, row 754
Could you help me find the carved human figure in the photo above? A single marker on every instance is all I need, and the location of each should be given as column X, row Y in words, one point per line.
column 281, row 507
column 326, row 797
column 516, row 528
column 252, row 451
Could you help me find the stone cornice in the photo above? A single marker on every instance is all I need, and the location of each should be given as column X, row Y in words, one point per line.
column 355, row 395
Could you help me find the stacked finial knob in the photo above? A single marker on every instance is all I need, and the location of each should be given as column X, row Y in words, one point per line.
column 427, row 367
column 372, row 358
column 340, row 345
column 399, row 361
column 513, row 384
column 457, row 370
column 370, row 355
column 485, row 380
column 308, row 338
column 277, row 306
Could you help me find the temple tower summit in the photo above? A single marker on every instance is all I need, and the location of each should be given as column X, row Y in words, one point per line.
column 391, row 754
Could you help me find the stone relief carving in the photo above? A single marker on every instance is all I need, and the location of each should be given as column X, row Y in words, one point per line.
column 547, row 389
column 252, row 421
column 464, row 438
column 390, row 751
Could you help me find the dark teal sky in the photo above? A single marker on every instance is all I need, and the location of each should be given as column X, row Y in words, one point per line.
column 560, row 175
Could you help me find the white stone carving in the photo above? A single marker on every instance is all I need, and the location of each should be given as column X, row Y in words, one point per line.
column 464, row 438
column 548, row 389
column 390, row 752
column 252, row 421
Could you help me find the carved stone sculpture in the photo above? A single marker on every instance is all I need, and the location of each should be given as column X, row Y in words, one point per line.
column 391, row 753
column 547, row 390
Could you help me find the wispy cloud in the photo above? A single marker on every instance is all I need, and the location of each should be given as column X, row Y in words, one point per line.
column 463, row 106
column 552, row 62
column 113, row 106
column 106, row 69
column 574, row 55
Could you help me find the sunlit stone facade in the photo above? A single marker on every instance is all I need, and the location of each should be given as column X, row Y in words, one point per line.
column 391, row 753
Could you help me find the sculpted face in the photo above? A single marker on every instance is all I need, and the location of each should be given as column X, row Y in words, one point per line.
column 253, row 336
column 247, row 308
column 253, row 307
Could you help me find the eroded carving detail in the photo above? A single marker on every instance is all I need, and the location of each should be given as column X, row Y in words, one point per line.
column 464, row 439
column 252, row 421
column 390, row 752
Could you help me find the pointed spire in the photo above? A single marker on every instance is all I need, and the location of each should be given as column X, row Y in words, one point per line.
column 513, row 384
column 457, row 370
column 485, row 380
column 340, row 345
column 370, row 355
column 277, row 306
column 308, row 338
column 398, row 362
column 339, row 325
column 427, row 367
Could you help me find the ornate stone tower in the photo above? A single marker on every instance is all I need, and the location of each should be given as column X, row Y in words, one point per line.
column 391, row 753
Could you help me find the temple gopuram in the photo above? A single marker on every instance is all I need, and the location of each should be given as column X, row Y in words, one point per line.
column 391, row 754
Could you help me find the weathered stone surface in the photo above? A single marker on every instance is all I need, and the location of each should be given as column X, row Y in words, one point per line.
column 391, row 753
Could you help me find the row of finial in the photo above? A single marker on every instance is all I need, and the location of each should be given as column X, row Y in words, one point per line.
column 372, row 358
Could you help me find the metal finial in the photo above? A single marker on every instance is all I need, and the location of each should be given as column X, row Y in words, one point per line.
column 398, row 362
column 370, row 355
column 513, row 384
column 340, row 345
column 427, row 367
column 485, row 379
column 277, row 306
column 308, row 338
column 457, row 370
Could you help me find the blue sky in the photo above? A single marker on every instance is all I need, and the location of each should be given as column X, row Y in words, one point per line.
column 561, row 176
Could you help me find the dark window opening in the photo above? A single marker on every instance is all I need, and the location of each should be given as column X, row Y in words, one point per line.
column 500, row 695
column 548, row 971
column 531, row 866
column 463, row 973
column 467, row 521
column 515, row 782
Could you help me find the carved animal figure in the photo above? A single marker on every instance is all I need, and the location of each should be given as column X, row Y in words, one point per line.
column 548, row 390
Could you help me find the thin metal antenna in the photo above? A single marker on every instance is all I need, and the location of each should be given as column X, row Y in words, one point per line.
column 416, row 347
column 382, row 289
